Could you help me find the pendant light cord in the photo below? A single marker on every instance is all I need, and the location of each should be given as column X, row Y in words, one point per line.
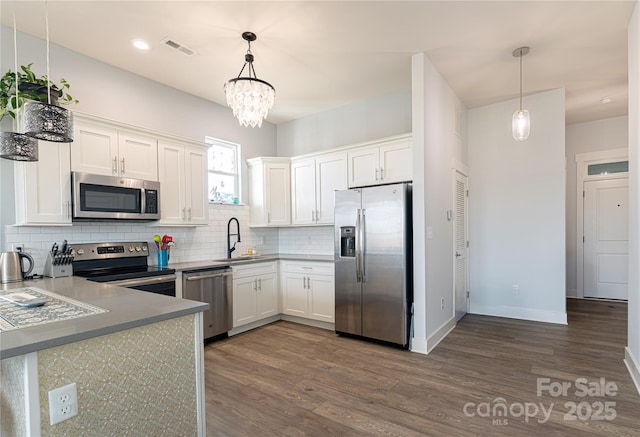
column 521, row 79
column 15, row 52
column 46, row 19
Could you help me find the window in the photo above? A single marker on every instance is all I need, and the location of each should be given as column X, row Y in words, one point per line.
column 224, row 171
column 608, row 168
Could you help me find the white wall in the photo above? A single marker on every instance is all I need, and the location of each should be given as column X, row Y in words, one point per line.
column 112, row 93
column 594, row 136
column 435, row 146
column 632, row 353
column 517, row 210
column 366, row 120
column 107, row 91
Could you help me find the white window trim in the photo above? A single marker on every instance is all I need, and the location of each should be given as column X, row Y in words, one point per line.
column 209, row 141
column 583, row 161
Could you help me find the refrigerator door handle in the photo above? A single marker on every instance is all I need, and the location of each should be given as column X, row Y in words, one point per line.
column 363, row 245
column 357, row 248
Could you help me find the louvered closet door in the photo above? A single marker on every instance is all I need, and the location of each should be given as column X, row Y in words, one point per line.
column 461, row 250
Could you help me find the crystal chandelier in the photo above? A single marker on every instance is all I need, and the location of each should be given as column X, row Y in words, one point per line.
column 521, row 124
column 249, row 97
column 44, row 120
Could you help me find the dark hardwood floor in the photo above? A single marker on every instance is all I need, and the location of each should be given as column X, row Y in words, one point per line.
column 489, row 377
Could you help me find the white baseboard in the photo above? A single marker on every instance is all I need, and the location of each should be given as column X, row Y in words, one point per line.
column 309, row 322
column 426, row 345
column 253, row 325
column 520, row 313
column 633, row 367
column 440, row 334
column 419, row 345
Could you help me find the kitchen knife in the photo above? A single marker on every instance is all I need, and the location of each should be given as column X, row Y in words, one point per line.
column 54, row 249
column 63, row 250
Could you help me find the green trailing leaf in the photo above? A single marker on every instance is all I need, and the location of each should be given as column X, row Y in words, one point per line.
column 8, row 102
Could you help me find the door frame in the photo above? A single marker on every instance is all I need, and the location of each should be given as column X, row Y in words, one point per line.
column 461, row 168
column 583, row 161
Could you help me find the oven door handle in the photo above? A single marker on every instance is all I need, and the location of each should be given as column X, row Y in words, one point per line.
column 203, row 277
column 143, row 281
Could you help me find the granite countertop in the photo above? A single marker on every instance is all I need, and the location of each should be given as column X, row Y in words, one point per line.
column 126, row 308
column 248, row 259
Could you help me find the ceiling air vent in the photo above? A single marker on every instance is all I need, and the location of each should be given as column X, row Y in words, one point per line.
column 179, row 47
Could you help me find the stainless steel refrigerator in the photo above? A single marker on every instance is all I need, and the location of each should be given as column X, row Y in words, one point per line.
column 373, row 262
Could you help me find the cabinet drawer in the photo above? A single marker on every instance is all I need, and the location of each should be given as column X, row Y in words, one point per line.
column 255, row 269
column 308, row 267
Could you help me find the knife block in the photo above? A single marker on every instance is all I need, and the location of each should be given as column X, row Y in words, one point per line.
column 58, row 266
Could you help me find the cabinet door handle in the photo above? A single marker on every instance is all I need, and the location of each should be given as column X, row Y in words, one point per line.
column 255, row 285
column 189, row 210
column 68, row 209
column 382, row 174
column 268, row 217
column 377, row 170
column 304, row 282
column 184, row 214
column 260, row 284
column 114, row 166
column 122, row 165
column 317, row 215
column 313, row 216
column 308, row 283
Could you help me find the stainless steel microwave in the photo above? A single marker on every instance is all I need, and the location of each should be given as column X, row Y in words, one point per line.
column 98, row 197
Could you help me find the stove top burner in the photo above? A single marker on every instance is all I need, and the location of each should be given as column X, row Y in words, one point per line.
column 107, row 262
column 109, row 275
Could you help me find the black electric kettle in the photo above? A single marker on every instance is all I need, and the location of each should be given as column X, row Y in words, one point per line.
column 12, row 268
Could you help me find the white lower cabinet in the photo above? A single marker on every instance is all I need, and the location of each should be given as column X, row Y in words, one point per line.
column 255, row 292
column 308, row 290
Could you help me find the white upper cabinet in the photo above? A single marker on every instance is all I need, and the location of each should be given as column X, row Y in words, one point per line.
column 386, row 162
column 107, row 150
column 182, row 171
column 43, row 188
column 269, row 182
column 313, row 183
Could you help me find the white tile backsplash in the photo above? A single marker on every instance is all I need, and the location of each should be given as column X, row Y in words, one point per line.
column 312, row 240
column 192, row 244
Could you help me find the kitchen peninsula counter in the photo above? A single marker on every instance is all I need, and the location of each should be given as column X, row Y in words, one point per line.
column 126, row 309
column 131, row 364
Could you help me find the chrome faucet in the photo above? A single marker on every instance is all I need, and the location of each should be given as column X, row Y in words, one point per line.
column 229, row 234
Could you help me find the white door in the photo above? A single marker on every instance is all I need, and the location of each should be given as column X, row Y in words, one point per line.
column 95, row 150
column 197, row 202
column 606, row 223
column 171, row 175
column 461, row 267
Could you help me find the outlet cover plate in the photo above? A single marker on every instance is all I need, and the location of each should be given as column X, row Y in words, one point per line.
column 63, row 403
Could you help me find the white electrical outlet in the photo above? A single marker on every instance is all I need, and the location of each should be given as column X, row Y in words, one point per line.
column 442, row 303
column 516, row 289
column 63, row 403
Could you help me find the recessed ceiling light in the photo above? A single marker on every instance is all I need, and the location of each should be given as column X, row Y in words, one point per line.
column 606, row 100
column 140, row 44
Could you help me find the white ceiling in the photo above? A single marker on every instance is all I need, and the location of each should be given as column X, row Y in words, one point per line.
column 324, row 54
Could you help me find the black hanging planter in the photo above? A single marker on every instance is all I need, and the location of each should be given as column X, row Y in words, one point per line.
column 38, row 92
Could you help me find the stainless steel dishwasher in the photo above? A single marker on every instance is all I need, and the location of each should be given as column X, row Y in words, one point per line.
column 215, row 287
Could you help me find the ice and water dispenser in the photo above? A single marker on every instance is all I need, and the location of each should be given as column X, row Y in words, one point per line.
column 348, row 241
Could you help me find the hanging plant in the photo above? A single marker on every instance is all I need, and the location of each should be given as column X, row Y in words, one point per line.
column 30, row 87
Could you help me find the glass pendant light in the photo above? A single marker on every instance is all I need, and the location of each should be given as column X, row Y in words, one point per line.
column 16, row 146
column 44, row 120
column 521, row 123
column 249, row 97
